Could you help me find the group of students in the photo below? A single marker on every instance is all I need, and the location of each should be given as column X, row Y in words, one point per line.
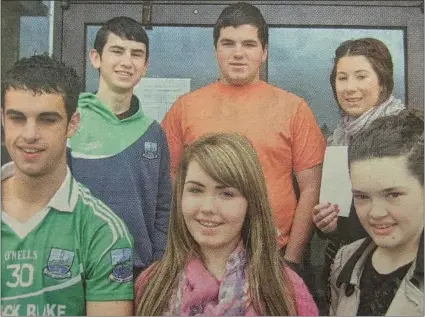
column 91, row 224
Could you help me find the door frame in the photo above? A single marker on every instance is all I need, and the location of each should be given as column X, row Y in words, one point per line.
column 72, row 17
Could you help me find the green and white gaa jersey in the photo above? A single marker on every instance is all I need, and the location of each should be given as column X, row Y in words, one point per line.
column 76, row 250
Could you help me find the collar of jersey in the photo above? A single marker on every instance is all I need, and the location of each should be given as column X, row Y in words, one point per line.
column 66, row 196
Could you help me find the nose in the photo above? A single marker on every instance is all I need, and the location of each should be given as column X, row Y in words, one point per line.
column 378, row 209
column 208, row 204
column 238, row 52
column 126, row 59
column 30, row 132
column 350, row 85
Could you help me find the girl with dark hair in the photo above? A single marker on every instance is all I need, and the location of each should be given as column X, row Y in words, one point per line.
column 382, row 274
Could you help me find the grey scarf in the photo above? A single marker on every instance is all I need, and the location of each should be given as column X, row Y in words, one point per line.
column 349, row 126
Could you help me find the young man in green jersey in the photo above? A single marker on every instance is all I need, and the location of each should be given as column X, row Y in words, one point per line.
column 63, row 252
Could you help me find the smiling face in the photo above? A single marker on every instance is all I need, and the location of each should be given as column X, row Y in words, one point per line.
column 122, row 63
column 240, row 54
column 36, row 130
column 214, row 213
column 357, row 85
column 389, row 202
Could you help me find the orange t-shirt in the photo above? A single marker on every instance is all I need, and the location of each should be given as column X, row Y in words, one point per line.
column 279, row 124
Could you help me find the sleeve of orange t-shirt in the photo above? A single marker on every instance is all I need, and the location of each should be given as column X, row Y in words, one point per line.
column 172, row 125
column 309, row 144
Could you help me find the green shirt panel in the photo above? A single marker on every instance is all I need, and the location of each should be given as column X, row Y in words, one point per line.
column 68, row 259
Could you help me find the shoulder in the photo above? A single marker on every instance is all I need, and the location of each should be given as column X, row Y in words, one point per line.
column 142, row 280
column 303, row 299
column 97, row 217
column 347, row 251
column 156, row 131
column 203, row 93
column 285, row 97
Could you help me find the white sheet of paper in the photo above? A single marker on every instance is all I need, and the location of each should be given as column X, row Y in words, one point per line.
column 157, row 95
column 336, row 184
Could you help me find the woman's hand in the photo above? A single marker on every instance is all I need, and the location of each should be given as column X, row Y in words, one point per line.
column 325, row 217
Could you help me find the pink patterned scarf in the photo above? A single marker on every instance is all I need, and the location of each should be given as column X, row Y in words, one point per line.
column 200, row 293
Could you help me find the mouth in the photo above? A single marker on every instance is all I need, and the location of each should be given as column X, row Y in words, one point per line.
column 31, row 154
column 237, row 64
column 30, row 150
column 383, row 229
column 209, row 224
column 357, row 99
column 123, row 73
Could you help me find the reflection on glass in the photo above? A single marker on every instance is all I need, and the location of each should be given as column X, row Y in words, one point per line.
column 301, row 60
column 34, row 30
column 175, row 52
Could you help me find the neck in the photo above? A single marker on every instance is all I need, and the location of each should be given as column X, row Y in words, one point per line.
column 215, row 260
column 118, row 102
column 24, row 195
column 239, row 85
column 386, row 260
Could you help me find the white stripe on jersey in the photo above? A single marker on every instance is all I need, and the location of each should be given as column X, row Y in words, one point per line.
column 104, row 212
column 111, row 226
column 66, row 284
column 103, row 207
column 89, row 156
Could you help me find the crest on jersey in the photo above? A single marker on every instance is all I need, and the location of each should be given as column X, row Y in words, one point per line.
column 59, row 263
column 122, row 265
column 150, row 150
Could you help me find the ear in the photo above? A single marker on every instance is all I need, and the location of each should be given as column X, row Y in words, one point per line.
column 2, row 117
column 73, row 124
column 145, row 70
column 265, row 53
column 95, row 58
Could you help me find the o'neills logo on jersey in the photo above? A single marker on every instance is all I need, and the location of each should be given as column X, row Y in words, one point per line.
column 122, row 265
column 151, row 150
column 59, row 263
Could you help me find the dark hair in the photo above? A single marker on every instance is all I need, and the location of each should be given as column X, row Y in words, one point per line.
column 379, row 57
column 241, row 13
column 42, row 74
column 393, row 136
column 124, row 27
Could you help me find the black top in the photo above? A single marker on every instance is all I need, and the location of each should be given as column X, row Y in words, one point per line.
column 377, row 291
column 134, row 107
column 349, row 229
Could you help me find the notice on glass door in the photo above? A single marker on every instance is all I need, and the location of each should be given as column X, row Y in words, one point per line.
column 157, row 95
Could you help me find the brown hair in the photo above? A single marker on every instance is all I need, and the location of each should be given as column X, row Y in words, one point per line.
column 238, row 14
column 379, row 57
column 393, row 136
column 231, row 160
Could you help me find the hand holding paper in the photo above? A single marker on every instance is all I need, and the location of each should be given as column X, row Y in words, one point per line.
column 325, row 217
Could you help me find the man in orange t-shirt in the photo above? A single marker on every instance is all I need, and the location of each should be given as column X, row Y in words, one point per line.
column 280, row 125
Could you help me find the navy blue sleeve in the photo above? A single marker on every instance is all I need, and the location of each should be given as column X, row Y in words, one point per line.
column 163, row 204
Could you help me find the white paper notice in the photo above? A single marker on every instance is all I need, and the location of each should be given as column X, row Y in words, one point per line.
column 157, row 95
column 336, row 184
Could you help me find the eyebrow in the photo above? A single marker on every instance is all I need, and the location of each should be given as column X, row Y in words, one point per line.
column 250, row 42
column 386, row 190
column 12, row 112
column 117, row 47
column 356, row 71
column 137, row 50
column 202, row 185
column 50, row 114
column 226, row 40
